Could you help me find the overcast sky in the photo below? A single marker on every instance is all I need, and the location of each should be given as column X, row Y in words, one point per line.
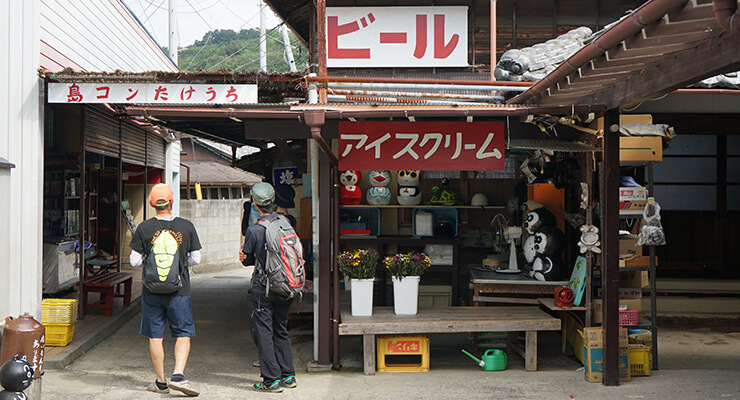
column 196, row 17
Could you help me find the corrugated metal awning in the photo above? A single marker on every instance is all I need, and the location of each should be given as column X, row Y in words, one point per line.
column 661, row 46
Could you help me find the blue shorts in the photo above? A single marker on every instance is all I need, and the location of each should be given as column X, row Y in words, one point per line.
column 158, row 309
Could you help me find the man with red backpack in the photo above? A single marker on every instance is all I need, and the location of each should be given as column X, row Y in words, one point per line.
column 271, row 292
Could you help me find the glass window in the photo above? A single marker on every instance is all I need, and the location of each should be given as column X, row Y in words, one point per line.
column 733, row 197
column 733, row 145
column 685, row 169
column 687, row 197
column 733, row 169
column 694, row 145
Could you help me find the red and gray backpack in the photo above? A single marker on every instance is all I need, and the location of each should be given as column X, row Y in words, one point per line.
column 285, row 271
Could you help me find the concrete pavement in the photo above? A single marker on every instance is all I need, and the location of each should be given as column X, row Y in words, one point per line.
column 695, row 363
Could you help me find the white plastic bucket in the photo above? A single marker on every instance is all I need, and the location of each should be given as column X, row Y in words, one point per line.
column 405, row 295
column 362, row 297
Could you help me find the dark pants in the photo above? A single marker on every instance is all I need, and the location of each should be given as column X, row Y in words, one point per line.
column 268, row 323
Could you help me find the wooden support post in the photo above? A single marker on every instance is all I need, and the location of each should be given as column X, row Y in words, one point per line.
column 368, row 356
column 610, row 256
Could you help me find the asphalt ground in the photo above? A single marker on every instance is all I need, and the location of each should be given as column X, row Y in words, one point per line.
column 695, row 363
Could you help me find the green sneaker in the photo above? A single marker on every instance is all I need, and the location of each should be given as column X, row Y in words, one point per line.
column 288, row 382
column 273, row 387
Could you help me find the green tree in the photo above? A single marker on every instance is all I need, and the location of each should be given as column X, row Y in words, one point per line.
column 227, row 49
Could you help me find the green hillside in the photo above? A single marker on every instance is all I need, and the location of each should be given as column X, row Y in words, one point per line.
column 227, row 49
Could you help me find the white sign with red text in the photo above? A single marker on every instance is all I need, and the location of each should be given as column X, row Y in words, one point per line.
column 151, row 93
column 396, row 37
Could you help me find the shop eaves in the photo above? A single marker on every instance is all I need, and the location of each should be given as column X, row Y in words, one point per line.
column 662, row 46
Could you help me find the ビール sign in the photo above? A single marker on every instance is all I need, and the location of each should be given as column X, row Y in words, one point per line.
column 436, row 146
column 397, row 36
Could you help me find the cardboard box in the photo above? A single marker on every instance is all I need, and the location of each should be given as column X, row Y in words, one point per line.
column 633, row 205
column 573, row 329
column 633, row 279
column 628, row 246
column 593, row 354
column 598, row 307
column 632, row 193
column 640, row 148
column 624, row 293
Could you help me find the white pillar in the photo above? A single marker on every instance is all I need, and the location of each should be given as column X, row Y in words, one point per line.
column 263, row 40
column 313, row 98
column 288, row 49
column 22, row 144
column 172, row 172
column 174, row 41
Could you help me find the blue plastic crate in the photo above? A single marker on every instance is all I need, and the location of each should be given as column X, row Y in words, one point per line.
column 444, row 222
column 363, row 221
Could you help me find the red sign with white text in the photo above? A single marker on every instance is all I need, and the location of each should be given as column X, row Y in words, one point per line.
column 429, row 146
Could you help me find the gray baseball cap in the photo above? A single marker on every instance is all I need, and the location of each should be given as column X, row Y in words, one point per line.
column 263, row 194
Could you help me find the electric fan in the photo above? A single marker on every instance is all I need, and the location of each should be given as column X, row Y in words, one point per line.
column 506, row 236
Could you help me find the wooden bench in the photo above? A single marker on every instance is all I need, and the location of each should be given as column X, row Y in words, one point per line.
column 105, row 283
column 511, row 319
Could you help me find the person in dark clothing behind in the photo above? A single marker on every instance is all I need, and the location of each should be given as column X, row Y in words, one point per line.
column 268, row 312
column 284, row 195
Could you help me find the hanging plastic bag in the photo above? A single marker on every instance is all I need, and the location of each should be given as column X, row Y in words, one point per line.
column 651, row 233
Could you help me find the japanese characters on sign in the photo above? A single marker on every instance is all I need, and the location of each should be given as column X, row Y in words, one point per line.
column 397, row 36
column 403, row 346
column 436, row 146
column 151, row 93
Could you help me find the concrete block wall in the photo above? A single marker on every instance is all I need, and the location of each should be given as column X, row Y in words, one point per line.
column 218, row 223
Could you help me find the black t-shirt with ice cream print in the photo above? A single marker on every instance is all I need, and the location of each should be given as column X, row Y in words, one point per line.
column 184, row 235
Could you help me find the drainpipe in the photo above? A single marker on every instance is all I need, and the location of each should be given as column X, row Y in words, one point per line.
column 725, row 11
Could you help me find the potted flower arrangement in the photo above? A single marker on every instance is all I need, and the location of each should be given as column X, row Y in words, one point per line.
column 359, row 265
column 406, row 270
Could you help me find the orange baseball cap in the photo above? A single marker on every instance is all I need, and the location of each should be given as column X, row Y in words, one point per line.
column 161, row 195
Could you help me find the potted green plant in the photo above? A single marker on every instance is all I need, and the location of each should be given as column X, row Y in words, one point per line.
column 406, row 270
column 359, row 265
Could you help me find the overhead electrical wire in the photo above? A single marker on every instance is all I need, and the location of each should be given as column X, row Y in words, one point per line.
column 243, row 47
column 232, row 37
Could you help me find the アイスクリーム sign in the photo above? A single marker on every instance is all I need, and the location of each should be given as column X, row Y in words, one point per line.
column 438, row 146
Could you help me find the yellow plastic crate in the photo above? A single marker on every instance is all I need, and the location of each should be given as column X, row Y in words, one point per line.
column 642, row 338
column 640, row 360
column 59, row 334
column 58, row 311
column 403, row 353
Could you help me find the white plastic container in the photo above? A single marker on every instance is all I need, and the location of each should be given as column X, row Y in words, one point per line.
column 362, row 297
column 405, row 295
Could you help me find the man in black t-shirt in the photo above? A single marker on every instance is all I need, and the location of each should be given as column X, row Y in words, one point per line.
column 174, row 309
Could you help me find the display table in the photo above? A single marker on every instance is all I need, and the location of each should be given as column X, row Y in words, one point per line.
column 509, row 319
column 497, row 287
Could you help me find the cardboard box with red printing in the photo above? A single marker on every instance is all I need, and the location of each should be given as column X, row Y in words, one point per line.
column 632, row 198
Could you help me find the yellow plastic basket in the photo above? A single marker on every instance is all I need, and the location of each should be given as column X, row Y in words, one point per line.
column 59, row 334
column 640, row 360
column 58, row 311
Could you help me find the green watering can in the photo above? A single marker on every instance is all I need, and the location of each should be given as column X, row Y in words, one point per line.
column 492, row 360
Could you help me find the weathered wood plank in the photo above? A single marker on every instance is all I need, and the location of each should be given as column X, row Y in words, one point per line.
column 368, row 344
column 449, row 319
column 530, row 350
